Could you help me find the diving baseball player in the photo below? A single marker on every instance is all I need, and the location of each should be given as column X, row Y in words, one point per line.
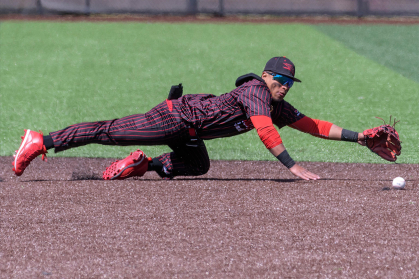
column 185, row 122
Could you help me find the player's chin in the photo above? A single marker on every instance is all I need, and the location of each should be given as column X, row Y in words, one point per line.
column 277, row 98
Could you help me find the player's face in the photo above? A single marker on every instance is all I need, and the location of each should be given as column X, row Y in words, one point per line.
column 278, row 91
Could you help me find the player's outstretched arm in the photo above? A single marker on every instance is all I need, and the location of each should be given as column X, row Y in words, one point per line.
column 338, row 133
column 383, row 140
column 327, row 130
column 282, row 155
column 301, row 172
column 270, row 137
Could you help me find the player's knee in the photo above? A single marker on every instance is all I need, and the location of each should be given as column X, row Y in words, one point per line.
column 205, row 168
column 201, row 168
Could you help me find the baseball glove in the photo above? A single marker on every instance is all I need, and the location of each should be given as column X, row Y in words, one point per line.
column 384, row 141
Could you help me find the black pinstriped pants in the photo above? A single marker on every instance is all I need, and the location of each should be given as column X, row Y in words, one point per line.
column 159, row 126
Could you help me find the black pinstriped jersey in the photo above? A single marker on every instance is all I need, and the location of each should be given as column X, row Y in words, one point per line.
column 229, row 114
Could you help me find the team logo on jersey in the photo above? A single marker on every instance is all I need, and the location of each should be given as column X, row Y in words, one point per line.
column 244, row 125
column 297, row 112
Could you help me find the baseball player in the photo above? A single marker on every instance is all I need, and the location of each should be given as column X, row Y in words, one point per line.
column 185, row 122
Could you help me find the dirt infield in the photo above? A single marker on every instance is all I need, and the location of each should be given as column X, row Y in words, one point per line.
column 241, row 220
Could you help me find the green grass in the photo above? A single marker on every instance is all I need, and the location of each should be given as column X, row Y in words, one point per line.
column 393, row 46
column 56, row 74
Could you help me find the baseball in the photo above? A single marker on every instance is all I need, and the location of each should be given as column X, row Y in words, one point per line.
column 399, row 183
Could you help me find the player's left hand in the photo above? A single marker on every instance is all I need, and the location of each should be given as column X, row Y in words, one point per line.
column 301, row 172
column 361, row 139
column 384, row 141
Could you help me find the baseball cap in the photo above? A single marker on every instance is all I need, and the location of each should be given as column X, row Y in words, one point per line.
column 282, row 66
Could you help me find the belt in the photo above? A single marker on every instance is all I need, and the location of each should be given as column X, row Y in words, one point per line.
column 194, row 139
column 192, row 133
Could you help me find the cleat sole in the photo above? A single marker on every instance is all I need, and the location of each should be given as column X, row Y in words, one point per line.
column 25, row 139
column 129, row 166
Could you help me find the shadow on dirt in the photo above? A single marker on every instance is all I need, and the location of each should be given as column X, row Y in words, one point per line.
column 85, row 176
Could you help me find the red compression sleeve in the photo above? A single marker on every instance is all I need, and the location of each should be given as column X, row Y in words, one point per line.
column 315, row 127
column 266, row 131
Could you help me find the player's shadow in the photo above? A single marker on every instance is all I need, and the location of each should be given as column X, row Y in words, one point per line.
column 95, row 177
column 81, row 176
column 234, row 179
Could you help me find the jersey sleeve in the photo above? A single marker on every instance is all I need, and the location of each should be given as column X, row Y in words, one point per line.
column 315, row 127
column 256, row 100
column 266, row 131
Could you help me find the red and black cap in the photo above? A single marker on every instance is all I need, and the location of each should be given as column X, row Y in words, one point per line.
column 282, row 66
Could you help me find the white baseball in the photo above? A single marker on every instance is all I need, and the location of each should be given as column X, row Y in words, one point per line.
column 399, row 183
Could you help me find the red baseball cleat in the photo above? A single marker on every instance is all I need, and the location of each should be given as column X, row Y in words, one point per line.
column 136, row 164
column 31, row 147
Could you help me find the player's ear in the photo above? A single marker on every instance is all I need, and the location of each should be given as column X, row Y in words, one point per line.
column 264, row 76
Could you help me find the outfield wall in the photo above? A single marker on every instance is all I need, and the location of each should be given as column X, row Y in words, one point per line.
column 217, row 7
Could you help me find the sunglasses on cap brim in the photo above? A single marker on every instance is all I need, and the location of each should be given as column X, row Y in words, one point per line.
column 283, row 80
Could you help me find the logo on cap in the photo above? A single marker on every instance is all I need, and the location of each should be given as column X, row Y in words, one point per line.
column 289, row 67
column 281, row 66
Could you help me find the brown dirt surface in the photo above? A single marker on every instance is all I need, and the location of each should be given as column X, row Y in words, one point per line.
column 243, row 219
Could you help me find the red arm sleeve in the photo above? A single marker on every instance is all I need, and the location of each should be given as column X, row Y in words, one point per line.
column 315, row 127
column 266, row 131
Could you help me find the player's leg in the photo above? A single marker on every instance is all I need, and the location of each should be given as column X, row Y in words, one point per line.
column 34, row 144
column 131, row 130
column 187, row 159
column 31, row 147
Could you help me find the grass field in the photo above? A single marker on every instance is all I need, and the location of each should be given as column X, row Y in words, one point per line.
column 56, row 74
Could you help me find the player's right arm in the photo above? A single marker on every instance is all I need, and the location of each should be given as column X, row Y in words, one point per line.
column 296, row 169
column 272, row 141
column 257, row 102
